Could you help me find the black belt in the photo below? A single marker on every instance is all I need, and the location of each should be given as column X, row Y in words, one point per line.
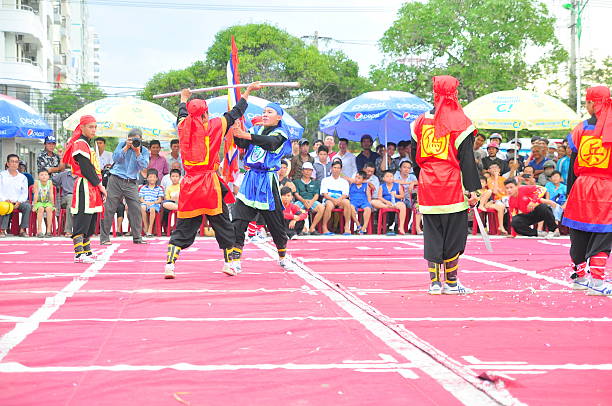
column 123, row 179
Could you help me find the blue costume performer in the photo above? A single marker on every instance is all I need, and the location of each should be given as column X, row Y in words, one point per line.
column 259, row 192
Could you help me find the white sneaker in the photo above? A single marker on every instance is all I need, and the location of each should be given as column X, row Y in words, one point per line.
column 458, row 289
column 435, row 288
column 169, row 271
column 284, row 263
column 553, row 234
column 599, row 288
column 228, row 269
column 542, row 234
column 237, row 265
column 84, row 259
column 581, row 283
column 256, row 239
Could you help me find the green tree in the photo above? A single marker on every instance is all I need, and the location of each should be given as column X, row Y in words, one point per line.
column 270, row 54
column 481, row 42
column 66, row 101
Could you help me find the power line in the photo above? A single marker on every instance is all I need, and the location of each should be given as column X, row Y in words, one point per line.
column 70, row 84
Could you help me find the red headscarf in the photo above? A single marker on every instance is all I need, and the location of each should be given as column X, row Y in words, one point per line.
column 192, row 126
column 603, row 111
column 448, row 115
column 67, row 158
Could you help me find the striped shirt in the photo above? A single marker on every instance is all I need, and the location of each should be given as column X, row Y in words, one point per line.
column 149, row 194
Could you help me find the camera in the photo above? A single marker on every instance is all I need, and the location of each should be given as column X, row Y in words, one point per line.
column 136, row 142
column 527, row 175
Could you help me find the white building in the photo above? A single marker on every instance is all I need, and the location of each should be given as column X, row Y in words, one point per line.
column 42, row 43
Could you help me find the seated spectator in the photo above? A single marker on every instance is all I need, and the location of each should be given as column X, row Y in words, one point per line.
column 403, row 151
column 14, row 189
column 295, row 218
column 298, row 160
column 335, row 191
column 307, row 196
column 406, row 178
column 151, row 197
column 360, row 197
column 349, row 163
column 173, row 190
column 544, row 177
column 65, row 181
column 366, row 155
column 386, row 162
column 283, row 179
column 391, row 196
column 380, row 150
column 372, row 180
column 492, row 150
column 531, row 207
column 322, row 164
column 557, row 192
column 537, row 159
column 23, row 168
column 166, row 181
column 44, row 202
column 527, row 177
column 496, row 184
column 479, row 153
column 315, row 148
column 563, row 163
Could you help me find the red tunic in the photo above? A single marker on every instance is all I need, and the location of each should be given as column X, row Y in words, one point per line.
column 93, row 197
column 440, row 184
column 589, row 204
column 201, row 186
column 526, row 194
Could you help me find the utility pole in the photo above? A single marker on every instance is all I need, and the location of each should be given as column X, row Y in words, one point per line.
column 316, row 37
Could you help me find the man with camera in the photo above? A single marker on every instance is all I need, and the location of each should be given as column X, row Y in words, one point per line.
column 129, row 158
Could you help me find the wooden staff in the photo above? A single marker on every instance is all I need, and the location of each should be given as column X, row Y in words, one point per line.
column 212, row 89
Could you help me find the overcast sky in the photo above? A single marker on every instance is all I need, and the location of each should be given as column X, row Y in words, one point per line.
column 138, row 42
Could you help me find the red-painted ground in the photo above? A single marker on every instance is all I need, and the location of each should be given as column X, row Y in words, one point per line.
column 117, row 333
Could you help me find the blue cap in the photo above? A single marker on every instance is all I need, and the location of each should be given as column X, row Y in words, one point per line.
column 275, row 107
column 50, row 139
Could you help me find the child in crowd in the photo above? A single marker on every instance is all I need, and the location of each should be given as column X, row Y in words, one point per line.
column 360, row 197
column 173, row 190
column 294, row 216
column 495, row 184
column 44, row 198
column 392, row 196
column 151, row 197
column 557, row 192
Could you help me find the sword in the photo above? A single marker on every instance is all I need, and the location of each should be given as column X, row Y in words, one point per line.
column 212, row 89
column 483, row 232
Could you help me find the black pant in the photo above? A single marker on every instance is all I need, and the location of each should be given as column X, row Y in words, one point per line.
column 243, row 215
column 585, row 244
column 444, row 235
column 187, row 228
column 83, row 223
column 542, row 212
column 299, row 226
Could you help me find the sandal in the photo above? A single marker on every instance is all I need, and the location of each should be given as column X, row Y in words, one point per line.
column 105, row 243
column 40, row 235
column 23, row 234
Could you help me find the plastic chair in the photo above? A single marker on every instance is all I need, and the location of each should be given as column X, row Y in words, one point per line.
column 172, row 215
column 360, row 218
column 382, row 218
column 490, row 219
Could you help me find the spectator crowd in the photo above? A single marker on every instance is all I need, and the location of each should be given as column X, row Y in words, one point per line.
column 325, row 189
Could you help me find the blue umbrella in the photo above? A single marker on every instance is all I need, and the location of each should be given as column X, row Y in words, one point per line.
column 17, row 119
column 385, row 115
column 218, row 105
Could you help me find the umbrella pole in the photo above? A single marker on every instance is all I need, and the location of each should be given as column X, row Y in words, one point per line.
column 386, row 154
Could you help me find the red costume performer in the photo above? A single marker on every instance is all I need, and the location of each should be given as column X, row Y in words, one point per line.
column 445, row 165
column 202, row 191
column 588, row 212
column 87, row 197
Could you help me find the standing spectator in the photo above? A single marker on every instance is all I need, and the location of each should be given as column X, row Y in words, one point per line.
column 403, row 151
column 104, row 157
column 532, row 208
column 307, row 195
column 14, row 189
column 479, row 153
column 43, row 200
column 563, row 162
column 129, row 160
column 552, row 152
column 166, row 181
column 335, row 191
column 298, row 161
column 360, row 197
column 151, row 196
column 527, row 177
column 65, row 181
column 492, row 150
column 537, row 159
column 497, row 138
column 322, row 164
column 294, row 216
column 366, row 155
column 380, row 150
column 349, row 165
column 330, row 143
column 23, row 168
column 544, row 177
column 557, row 192
column 386, row 162
column 315, row 148
column 513, row 154
column 175, row 155
column 392, row 195
column 49, row 160
column 156, row 161
column 283, row 179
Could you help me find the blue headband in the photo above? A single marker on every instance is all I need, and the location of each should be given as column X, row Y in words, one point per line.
column 276, row 108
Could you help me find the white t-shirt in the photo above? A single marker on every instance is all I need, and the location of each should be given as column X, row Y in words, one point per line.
column 335, row 187
column 349, row 163
column 106, row 158
column 13, row 188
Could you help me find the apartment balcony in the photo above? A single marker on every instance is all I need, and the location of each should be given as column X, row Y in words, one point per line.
column 22, row 21
column 22, row 68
